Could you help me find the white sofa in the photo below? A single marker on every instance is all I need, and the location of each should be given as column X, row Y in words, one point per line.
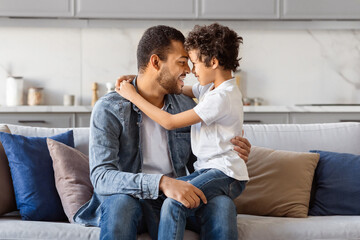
column 337, row 137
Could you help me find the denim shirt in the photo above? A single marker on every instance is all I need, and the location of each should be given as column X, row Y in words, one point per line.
column 115, row 152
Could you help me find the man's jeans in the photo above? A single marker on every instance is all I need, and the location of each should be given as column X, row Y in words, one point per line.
column 213, row 183
column 123, row 217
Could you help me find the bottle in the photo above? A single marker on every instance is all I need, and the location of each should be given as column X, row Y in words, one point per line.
column 14, row 91
column 110, row 87
column 94, row 93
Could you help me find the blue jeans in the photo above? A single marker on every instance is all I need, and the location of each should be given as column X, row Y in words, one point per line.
column 213, row 183
column 123, row 217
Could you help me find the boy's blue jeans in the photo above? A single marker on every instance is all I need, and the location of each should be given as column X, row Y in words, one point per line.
column 213, row 183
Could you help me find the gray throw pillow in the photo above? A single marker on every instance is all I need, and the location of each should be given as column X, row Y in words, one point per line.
column 72, row 176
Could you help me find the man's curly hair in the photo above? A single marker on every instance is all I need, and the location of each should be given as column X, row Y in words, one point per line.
column 216, row 41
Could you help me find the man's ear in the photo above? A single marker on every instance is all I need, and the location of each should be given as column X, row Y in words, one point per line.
column 155, row 61
column 214, row 63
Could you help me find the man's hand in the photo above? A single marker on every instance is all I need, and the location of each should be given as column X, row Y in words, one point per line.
column 128, row 78
column 182, row 191
column 242, row 146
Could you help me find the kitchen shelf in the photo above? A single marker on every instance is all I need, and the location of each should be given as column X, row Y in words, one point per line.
column 46, row 109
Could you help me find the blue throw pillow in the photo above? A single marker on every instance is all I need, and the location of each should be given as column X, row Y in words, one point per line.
column 33, row 175
column 337, row 185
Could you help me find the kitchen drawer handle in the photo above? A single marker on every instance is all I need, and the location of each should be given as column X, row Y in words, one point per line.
column 252, row 121
column 345, row 120
column 31, row 121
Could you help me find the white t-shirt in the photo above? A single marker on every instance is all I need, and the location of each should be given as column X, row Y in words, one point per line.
column 156, row 158
column 221, row 111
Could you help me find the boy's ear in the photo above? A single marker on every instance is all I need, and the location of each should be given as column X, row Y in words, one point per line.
column 155, row 61
column 214, row 63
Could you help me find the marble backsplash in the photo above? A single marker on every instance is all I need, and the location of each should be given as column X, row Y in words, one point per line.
column 284, row 67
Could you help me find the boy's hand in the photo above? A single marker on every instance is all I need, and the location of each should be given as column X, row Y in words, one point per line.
column 126, row 90
column 128, row 78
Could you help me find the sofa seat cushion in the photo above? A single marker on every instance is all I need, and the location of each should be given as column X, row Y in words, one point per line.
column 252, row 227
column 12, row 227
column 15, row 228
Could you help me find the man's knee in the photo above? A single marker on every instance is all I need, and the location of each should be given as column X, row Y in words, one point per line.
column 121, row 205
column 120, row 217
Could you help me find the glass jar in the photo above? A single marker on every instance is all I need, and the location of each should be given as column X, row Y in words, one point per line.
column 258, row 101
column 35, row 96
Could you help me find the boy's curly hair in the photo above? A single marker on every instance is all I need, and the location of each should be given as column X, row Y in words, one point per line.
column 216, row 41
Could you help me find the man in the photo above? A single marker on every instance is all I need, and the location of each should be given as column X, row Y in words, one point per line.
column 134, row 162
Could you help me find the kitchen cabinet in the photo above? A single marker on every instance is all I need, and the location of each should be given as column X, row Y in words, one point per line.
column 265, row 118
column 37, row 8
column 325, row 117
column 157, row 9
column 185, row 9
column 239, row 9
column 51, row 120
column 320, row 9
column 82, row 119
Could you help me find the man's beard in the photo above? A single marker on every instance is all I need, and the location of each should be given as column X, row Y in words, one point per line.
column 168, row 82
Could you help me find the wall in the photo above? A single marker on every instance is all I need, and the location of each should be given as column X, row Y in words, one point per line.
column 284, row 67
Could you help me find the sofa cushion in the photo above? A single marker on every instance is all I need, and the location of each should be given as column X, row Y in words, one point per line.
column 81, row 135
column 280, row 183
column 7, row 197
column 33, row 175
column 335, row 137
column 14, row 228
column 72, row 176
column 252, row 227
column 337, row 185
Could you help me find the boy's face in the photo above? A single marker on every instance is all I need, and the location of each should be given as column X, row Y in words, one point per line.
column 204, row 74
column 174, row 69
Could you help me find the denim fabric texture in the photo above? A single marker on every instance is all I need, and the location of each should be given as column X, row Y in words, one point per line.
column 115, row 152
column 213, row 183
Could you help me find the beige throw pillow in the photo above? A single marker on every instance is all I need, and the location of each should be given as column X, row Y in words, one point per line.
column 72, row 176
column 7, row 196
column 280, row 183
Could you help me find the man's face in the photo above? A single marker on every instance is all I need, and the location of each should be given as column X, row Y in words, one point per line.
column 174, row 69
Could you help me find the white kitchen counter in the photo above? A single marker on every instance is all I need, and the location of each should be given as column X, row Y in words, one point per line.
column 287, row 109
column 46, row 109
column 255, row 109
